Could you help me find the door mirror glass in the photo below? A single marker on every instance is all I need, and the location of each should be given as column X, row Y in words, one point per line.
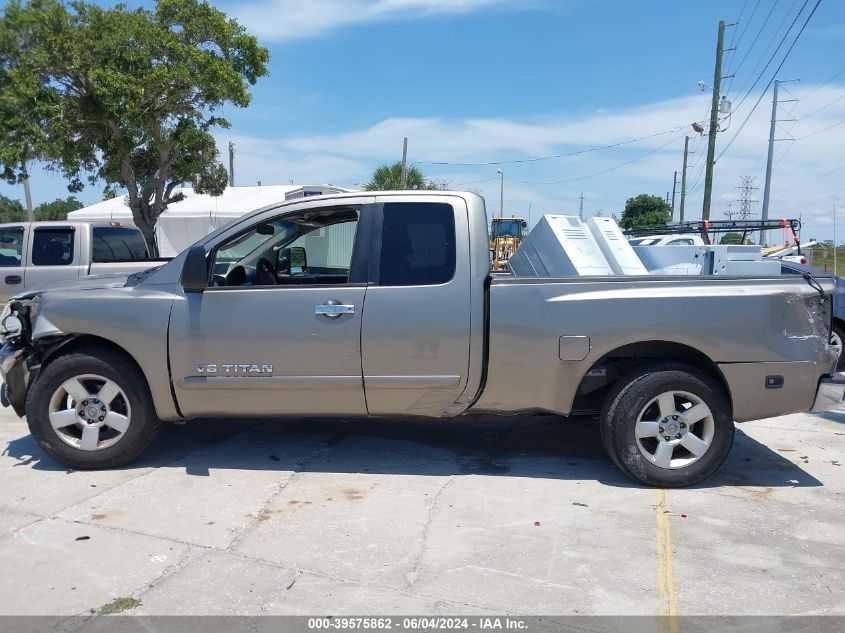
column 293, row 261
column 194, row 271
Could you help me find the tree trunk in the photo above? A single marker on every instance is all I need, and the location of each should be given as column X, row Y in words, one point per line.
column 143, row 219
column 148, row 231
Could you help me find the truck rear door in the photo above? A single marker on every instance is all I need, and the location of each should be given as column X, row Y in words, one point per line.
column 415, row 339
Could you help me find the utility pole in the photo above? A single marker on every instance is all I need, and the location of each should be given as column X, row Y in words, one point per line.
column 231, row 164
column 501, row 193
column 714, row 124
column 30, row 215
column 684, row 179
column 403, row 179
column 581, row 207
column 674, row 187
column 764, row 238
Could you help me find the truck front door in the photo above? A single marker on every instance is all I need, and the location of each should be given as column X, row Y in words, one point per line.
column 55, row 255
column 12, row 261
column 278, row 330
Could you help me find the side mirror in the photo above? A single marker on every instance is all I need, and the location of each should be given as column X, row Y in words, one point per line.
column 194, row 271
column 293, row 261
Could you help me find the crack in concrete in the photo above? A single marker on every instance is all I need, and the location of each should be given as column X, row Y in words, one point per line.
column 412, row 576
column 282, row 485
column 355, row 581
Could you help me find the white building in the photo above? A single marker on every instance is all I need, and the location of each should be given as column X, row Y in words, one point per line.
column 188, row 220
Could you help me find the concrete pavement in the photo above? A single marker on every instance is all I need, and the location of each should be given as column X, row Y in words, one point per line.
column 522, row 516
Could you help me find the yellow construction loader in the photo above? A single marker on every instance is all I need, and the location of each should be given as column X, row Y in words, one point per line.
column 506, row 234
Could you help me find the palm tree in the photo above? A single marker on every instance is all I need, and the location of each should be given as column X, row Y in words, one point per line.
column 388, row 177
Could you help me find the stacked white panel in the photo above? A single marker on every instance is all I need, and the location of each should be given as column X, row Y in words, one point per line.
column 559, row 246
column 615, row 248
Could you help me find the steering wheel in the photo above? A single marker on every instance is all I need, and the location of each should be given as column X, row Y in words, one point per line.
column 265, row 274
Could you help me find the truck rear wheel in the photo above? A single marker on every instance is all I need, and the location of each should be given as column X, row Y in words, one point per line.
column 667, row 425
column 92, row 409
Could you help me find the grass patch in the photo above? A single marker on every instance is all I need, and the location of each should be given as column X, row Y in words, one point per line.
column 118, row 605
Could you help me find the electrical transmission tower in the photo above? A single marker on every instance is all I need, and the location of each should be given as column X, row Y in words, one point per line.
column 745, row 199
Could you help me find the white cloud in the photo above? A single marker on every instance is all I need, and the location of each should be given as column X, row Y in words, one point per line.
column 801, row 182
column 295, row 19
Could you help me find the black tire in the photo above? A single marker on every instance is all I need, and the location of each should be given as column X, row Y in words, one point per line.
column 632, row 394
column 840, row 332
column 143, row 423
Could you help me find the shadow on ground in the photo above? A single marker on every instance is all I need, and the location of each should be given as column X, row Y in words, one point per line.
column 547, row 447
column 833, row 416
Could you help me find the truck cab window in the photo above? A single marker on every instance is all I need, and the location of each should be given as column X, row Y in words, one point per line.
column 11, row 245
column 314, row 247
column 118, row 243
column 417, row 244
column 52, row 247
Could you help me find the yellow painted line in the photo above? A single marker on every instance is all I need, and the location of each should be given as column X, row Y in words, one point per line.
column 665, row 585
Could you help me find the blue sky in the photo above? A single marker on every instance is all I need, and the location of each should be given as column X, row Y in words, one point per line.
column 487, row 80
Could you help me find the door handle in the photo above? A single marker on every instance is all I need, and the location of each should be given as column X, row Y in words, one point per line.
column 13, row 279
column 333, row 308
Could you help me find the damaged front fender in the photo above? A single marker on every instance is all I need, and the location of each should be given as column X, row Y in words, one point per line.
column 15, row 371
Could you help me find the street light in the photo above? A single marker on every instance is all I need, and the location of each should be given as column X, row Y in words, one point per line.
column 501, row 193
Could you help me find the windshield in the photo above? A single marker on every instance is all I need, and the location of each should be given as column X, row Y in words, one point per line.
column 507, row 228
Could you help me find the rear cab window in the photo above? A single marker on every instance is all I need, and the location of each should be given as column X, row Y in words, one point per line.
column 118, row 243
column 417, row 244
column 52, row 246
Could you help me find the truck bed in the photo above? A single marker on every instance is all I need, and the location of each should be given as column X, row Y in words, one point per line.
column 750, row 328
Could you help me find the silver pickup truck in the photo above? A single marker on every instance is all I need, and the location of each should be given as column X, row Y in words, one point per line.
column 41, row 254
column 383, row 304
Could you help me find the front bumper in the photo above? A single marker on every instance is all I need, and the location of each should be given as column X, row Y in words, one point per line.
column 830, row 393
column 15, row 375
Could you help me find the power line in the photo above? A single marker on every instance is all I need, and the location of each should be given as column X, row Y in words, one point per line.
column 554, row 156
column 473, row 182
column 824, row 107
column 777, row 70
column 772, row 57
column 733, row 46
column 769, row 45
column 827, row 196
column 817, row 88
column 600, row 173
column 732, row 72
column 807, row 182
column 829, row 127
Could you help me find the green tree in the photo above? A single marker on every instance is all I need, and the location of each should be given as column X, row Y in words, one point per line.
column 645, row 212
column 735, row 238
column 11, row 210
column 25, row 104
column 389, row 177
column 134, row 93
column 58, row 209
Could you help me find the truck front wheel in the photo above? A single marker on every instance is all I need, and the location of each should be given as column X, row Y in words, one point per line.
column 91, row 409
column 667, row 425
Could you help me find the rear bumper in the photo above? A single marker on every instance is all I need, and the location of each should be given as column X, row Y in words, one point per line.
column 830, row 393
